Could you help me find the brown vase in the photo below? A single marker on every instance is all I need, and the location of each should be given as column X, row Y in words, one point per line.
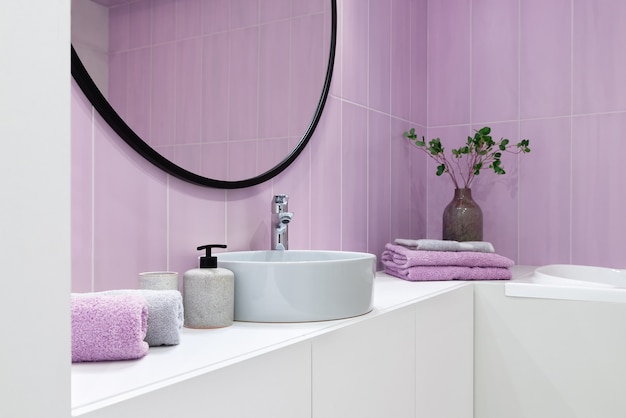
column 462, row 218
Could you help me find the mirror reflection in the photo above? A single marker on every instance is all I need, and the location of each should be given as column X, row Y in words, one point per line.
column 225, row 89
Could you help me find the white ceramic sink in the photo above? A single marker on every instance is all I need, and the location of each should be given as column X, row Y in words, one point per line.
column 592, row 275
column 300, row 286
column 571, row 282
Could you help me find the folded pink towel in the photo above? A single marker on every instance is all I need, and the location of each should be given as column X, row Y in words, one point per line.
column 400, row 257
column 107, row 327
column 430, row 273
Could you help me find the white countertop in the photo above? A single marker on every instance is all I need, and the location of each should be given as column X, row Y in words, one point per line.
column 96, row 385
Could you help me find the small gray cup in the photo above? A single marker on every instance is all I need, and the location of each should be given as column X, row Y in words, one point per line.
column 158, row 280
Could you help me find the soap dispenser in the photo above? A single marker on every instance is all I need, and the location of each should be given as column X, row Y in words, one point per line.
column 208, row 293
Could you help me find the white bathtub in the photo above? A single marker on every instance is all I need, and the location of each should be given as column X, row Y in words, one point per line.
column 568, row 282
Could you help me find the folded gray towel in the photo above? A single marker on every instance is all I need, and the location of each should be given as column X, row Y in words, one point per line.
column 477, row 246
column 445, row 245
column 165, row 314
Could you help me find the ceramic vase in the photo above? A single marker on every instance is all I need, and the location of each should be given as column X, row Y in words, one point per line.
column 463, row 218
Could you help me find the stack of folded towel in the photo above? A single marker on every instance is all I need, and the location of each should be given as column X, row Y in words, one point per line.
column 121, row 324
column 427, row 260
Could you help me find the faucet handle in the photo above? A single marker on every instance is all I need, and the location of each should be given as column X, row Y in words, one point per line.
column 281, row 199
column 279, row 203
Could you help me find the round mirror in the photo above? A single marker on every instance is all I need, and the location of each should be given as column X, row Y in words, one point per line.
column 220, row 93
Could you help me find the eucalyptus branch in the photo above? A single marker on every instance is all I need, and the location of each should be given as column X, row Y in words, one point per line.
column 435, row 151
column 480, row 151
column 460, row 170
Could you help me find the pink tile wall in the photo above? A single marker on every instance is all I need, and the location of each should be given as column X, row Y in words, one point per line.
column 355, row 187
column 552, row 74
column 82, row 192
column 551, row 71
column 448, row 62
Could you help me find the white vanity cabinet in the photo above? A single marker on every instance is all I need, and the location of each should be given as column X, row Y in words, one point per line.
column 367, row 370
column 444, row 352
column 416, row 361
column 542, row 358
column 411, row 357
column 276, row 384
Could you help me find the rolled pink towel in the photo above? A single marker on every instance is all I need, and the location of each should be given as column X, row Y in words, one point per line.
column 400, row 257
column 431, row 273
column 108, row 327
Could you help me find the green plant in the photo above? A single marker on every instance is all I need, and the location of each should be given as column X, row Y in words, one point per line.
column 479, row 151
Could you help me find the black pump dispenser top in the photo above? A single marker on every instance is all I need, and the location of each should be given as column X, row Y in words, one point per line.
column 208, row 261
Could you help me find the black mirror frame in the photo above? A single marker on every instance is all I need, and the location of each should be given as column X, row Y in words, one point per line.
column 102, row 106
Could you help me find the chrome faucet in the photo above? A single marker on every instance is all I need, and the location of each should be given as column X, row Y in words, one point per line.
column 280, row 219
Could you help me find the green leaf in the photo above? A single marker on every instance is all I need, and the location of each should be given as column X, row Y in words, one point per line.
column 411, row 134
column 441, row 169
column 485, row 131
column 523, row 145
column 435, row 146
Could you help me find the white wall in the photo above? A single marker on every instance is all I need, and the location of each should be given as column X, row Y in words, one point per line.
column 35, row 208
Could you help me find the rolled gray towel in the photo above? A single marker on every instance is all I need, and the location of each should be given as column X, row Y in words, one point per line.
column 165, row 314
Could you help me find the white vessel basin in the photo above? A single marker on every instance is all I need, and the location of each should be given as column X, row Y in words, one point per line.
column 570, row 282
column 300, row 286
column 592, row 275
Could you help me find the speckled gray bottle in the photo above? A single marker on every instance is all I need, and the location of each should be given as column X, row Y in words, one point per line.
column 209, row 293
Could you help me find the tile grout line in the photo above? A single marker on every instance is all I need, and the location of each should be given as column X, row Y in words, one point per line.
column 571, row 133
column 389, row 223
column 427, row 115
column 167, row 222
column 519, row 120
column 471, row 52
column 93, row 199
column 341, row 103
column 258, row 85
column 367, row 135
